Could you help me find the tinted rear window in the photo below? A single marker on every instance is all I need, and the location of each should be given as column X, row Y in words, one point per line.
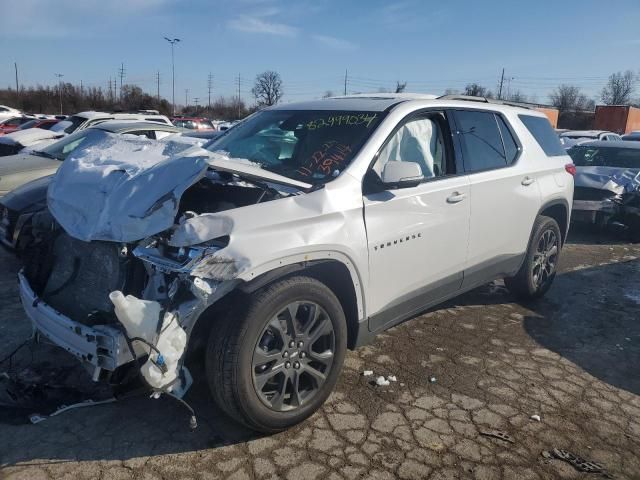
column 541, row 130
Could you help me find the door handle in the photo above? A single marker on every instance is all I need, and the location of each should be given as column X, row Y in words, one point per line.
column 456, row 197
column 526, row 181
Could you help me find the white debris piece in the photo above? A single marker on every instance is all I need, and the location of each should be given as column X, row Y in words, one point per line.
column 433, row 379
column 382, row 382
column 392, row 378
column 535, row 417
column 367, row 373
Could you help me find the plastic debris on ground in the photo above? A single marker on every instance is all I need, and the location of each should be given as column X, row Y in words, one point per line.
column 497, row 434
column 535, row 417
column 577, row 462
column 433, row 379
column 367, row 373
column 382, row 382
column 392, row 378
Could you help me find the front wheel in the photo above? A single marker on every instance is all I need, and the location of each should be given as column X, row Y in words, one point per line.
column 541, row 261
column 273, row 363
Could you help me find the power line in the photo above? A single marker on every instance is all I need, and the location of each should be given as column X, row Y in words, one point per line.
column 209, row 87
column 121, row 74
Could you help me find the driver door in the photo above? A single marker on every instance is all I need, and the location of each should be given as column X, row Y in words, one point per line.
column 417, row 236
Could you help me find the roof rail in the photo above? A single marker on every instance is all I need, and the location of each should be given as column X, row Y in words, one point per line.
column 471, row 98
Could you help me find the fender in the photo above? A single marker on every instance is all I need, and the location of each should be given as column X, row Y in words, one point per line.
column 274, row 269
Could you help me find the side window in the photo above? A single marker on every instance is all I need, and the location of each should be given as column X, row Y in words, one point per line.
column 482, row 147
column 510, row 145
column 541, row 130
column 420, row 141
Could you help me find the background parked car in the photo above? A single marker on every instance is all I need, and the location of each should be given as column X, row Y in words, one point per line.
column 12, row 124
column 193, row 123
column 607, row 182
column 43, row 123
column 83, row 120
column 602, row 135
column 8, row 112
column 632, row 136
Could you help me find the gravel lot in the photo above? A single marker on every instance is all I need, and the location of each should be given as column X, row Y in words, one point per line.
column 572, row 358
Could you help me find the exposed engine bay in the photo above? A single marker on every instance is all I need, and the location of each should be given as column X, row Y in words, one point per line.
column 146, row 290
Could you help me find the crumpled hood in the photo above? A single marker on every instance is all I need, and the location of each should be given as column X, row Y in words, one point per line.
column 123, row 189
column 613, row 179
column 30, row 136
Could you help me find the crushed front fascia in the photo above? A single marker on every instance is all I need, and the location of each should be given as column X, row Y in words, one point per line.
column 602, row 178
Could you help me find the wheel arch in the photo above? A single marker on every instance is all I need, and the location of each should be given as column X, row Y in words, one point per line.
column 558, row 209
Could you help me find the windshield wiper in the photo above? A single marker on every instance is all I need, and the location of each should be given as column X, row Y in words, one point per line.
column 42, row 153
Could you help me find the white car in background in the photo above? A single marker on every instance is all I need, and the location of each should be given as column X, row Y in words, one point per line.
column 8, row 112
column 37, row 138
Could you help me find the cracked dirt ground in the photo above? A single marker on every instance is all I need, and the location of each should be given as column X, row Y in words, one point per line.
column 572, row 358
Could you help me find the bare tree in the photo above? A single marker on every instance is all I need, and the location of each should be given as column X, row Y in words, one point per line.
column 475, row 90
column 619, row 88
column 400, row 86
column 517, row 96
column 267, row 88
column 568, row 98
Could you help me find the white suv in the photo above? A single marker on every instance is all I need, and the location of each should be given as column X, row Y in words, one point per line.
column 303, row 231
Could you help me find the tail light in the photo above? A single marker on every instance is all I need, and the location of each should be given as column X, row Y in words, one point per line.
column 570, row 168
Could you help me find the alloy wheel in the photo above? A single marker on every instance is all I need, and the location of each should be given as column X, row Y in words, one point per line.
column 293, row 356
column 545, row 258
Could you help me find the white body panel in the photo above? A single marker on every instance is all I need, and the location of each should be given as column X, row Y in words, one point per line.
column 416, row 237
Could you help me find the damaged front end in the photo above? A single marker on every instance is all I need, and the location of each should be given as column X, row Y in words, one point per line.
column 102, row 279
column 602, row 196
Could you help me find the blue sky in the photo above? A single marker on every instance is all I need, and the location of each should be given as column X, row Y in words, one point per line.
column 433, row 45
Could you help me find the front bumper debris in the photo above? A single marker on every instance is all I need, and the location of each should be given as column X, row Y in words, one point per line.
column 102, row 346
column 590, row 211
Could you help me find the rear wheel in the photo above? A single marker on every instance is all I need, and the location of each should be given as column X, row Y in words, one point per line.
column 539, row 267
column 273, row 363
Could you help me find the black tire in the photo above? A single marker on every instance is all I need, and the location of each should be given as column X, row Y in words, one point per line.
column 233, row 342
column 531, row 282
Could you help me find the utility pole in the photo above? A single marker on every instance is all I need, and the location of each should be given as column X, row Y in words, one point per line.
column 60, row 75
column 186, row 98
column 345, row 81
column 121, row 73
column 238, row 96
column 196, row 100
column 173, row 73
column 158, row 83
column 15, row 64
column 501, row 83
column 210, row 86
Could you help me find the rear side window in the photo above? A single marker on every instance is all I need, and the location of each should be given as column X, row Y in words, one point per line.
column 482, row 146
column 541, row 130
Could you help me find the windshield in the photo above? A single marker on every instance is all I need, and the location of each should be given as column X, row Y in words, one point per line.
column 69, row 125
column 60, row 150
column 584, row 156
column 311, row 146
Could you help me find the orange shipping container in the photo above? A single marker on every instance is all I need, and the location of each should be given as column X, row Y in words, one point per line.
column 552, row 115
column 617, row 118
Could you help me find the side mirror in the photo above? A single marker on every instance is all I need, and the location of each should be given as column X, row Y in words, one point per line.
column 402, row 174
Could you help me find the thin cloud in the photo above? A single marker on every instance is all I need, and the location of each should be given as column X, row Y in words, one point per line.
column 333, row 42
column 254, row 24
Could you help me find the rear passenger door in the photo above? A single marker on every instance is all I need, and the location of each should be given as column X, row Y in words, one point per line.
column 505, row 197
